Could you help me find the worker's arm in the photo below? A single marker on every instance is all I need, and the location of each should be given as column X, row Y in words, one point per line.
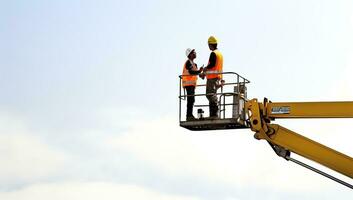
column 212, row 61
column 191, row 71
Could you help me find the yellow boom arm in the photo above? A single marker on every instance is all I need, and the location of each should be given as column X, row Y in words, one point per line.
column 343, row 109
column 284, row 141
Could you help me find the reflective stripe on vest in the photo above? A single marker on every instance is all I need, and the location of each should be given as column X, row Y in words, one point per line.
column 189, row 80
column 212, row 71
column 218, row 68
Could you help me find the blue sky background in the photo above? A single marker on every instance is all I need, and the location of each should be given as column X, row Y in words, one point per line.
column 89, row 107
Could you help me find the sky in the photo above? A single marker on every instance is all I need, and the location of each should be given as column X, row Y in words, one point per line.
column 89, row 97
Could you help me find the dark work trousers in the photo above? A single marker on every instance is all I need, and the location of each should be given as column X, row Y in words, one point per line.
column 190, row 90
column 211, row 91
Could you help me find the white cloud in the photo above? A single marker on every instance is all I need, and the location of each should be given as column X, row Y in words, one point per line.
column 232, row 158
column 23, row 156
column 87, row 191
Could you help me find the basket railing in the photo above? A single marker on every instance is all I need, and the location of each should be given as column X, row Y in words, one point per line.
column 234, row 86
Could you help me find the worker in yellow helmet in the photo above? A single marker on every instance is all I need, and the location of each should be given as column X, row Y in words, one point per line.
column 189, row 80
column 213, row 74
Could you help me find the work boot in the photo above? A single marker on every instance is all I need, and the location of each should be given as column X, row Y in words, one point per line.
column 214, row 113
column 190, row 118
column 213, row 117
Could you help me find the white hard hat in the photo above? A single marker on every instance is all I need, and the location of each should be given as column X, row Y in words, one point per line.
column 188, row 51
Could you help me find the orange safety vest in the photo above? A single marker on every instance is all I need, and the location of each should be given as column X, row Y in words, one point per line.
column 187, row 79
column 218, row 68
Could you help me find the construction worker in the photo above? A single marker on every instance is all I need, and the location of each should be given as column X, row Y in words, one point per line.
column 189, row 80
column 212, row 70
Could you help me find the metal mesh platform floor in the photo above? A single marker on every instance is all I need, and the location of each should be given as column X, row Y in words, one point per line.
column 212, row 124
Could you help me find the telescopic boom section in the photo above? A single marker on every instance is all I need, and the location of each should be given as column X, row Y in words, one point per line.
column 343, row 109
column 260, row 115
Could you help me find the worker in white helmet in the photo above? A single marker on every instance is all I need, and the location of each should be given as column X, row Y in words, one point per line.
column 189, row 80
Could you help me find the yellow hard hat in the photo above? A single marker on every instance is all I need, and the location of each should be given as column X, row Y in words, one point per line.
column 212, row 40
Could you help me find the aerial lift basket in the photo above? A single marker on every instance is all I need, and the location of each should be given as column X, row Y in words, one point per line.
column 231, row 96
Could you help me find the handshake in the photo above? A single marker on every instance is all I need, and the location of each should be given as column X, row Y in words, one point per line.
column 202, row 72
